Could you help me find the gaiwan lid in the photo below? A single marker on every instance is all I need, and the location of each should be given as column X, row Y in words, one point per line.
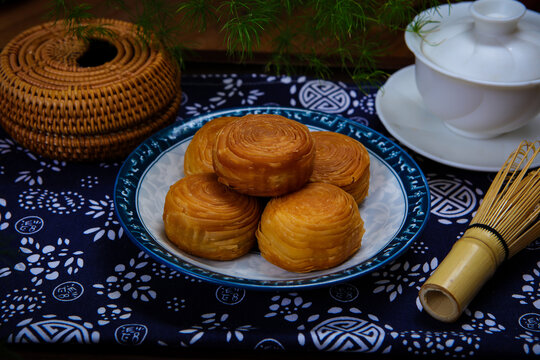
column 489, row 41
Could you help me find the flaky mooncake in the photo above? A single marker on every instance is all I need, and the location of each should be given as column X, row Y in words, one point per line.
column 198, row 156
column 205, row 218
column 315, row 228
column 264, row 155
column 342, row 161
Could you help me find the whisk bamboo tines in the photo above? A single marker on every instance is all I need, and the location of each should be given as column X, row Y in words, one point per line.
column 506, row 222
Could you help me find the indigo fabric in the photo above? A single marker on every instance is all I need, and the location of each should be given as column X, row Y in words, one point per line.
column 70, row 274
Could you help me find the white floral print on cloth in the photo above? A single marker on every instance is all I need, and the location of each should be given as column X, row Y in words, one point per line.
column 29, row 225
column 19, row 302
column 530, row 338
column 214, row 323
column 51, row 329
column 451, row 343
column 324, row 96
column 453, row 199
column 530, row 291
column 35, row 177
column 131, row 334
column 89, row 181
column 347, row 334
column 332, row 97
column 399, row 276
column 131, row 280
column 176, row 304
column 5, row 215
column 164, row 272
column 269, row 344
column 46, row 262
column 350, row 330
column 112, row 312
column 287, row 306
column 440, row 343
column 480, row 321
column 233, row 87
column 61, row 203
column 8, row 145
column 531, row 343
column 70, row 274
column 344, row 292
column 103, row 211
column 292, row 308
column 68, row 291
column 5, row 218
column 230, row 295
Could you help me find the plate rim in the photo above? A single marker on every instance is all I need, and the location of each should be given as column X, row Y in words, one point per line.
column 189, row 126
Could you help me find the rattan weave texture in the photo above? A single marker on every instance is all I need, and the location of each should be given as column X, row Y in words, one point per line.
column 57, row 108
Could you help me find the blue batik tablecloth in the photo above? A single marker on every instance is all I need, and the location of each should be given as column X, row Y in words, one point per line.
column 69, row 273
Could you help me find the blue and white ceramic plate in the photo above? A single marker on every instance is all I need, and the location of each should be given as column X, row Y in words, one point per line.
column 394, row 212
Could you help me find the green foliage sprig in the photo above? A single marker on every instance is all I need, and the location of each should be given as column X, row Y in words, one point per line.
column 319, row 34
column 73, row 15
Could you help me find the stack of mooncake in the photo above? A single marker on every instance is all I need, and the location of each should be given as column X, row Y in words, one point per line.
column 265, row 179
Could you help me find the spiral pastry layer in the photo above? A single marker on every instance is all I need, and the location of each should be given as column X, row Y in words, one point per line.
column 264, row 155
column 314, row 228
column 342, row 161
column 198, row 156
column 205, row 218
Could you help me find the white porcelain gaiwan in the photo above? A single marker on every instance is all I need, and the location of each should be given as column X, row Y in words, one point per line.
column 477, row 65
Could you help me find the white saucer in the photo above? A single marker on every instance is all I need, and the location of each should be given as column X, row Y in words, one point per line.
column 400, row 108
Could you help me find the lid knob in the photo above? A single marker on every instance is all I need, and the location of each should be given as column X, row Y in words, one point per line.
column 497, row 17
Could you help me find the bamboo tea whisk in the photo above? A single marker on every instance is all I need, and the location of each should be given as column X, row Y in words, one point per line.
column 506, row 222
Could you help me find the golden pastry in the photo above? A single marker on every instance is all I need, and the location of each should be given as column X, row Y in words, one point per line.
column 342, row 161
column 264, row 155
column 198, row 156
column 314, row 228
column 205, row 218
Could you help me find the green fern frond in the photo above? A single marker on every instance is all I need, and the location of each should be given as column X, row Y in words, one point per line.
column 317, row 65
column 420, row 27
column 196, row 13
column 341, row 17
column 156, row 19
column 281, row 63
column 368, row 78
column 243, row 23
column 88, row 32
column 395, row 14
column 75, row 18
column 318, row 34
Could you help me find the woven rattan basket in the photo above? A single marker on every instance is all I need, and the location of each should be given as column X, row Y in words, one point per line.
column 58, row 107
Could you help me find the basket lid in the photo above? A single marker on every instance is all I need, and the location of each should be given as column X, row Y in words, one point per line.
column 494, row 41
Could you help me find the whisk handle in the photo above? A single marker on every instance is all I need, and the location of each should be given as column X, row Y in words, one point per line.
column 470, row 263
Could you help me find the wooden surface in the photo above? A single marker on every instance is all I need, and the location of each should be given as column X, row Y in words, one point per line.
column 208, row 47
column 18, row 15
